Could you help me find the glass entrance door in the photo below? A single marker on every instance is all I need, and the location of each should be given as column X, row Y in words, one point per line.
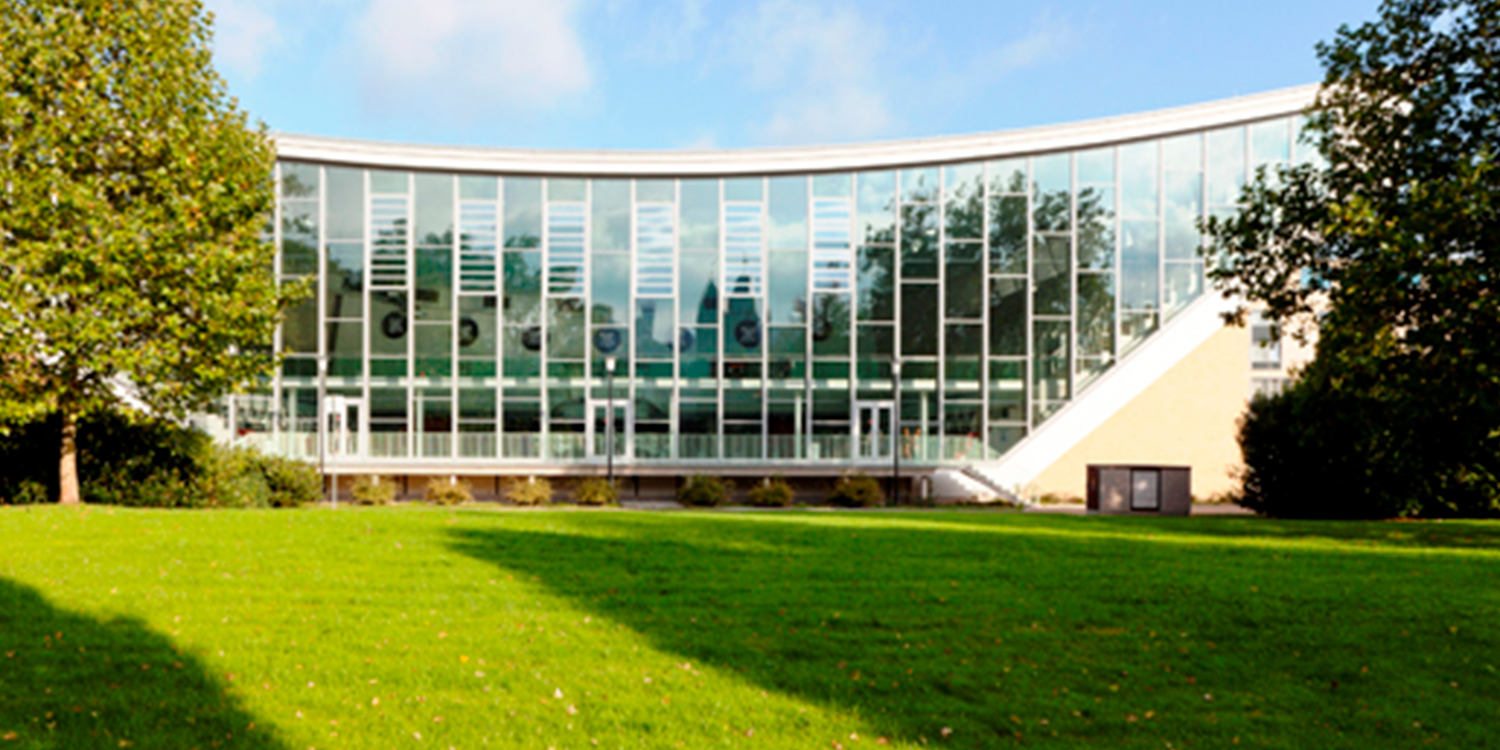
column 873, row 429
column 601, row 415
column 346, row 426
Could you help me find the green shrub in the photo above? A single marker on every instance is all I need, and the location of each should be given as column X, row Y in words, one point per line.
column 373, row 490
column 596, row 491
column 293, row 483
column 703, row 491
column 530, row 491
column 29, row 492
column 772, row 493
column 447, row 492
column 856, row 491
column 133, row 460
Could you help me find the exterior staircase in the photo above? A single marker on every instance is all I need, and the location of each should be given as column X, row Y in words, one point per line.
column 1007, row 478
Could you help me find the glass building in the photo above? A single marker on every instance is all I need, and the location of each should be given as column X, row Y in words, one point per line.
column 491, row 311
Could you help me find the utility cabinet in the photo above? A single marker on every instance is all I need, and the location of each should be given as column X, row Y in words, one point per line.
column 1136, row 489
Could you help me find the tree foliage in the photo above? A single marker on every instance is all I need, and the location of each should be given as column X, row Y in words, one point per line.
column 1389, row 247
column 133, row 198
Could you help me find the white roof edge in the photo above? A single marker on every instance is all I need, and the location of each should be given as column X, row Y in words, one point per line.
column 848, row 157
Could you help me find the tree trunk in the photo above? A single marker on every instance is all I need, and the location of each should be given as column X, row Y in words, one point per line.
column 67, row 474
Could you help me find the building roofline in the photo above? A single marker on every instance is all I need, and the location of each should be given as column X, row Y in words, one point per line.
column 800, row 159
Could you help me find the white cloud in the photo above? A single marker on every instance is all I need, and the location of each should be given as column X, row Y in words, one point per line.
column 668, row 33
column 466, row 58
column 1048, row 38
column 825, row 63
column 244, row 32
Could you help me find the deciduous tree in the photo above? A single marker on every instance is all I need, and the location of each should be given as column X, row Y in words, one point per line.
column 1390, row 247
column 133, row 198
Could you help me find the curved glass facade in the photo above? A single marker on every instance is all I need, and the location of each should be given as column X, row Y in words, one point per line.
column 469, row 316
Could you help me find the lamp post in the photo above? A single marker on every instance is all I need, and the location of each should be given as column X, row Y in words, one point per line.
column 322, row 412
column 609, row 418
column 896, row 431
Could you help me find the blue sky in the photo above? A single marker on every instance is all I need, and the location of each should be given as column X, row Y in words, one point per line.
column 718, row 74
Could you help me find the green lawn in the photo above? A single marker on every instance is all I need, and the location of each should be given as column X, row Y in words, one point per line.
column 415, row 627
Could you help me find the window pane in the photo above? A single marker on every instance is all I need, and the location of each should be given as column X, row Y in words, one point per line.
column 434, row 209
column 1226, row 166
column 299, row 180
column 1096, row 313
column 1138, row 194
column 1271, row 142
column 567, row 190
column 832, row 185
column 1184, row 201
column 877, row 206
column 344, row 280
column 788, row 292
column 1008, row 176
column 1096, row 228
column 964, row 287
column 655, row 191
column 523, row 212
column 964, row 201
column 611, row 215
column 919, row 185
column 877, row 283
column 388, row 323
column 743, row 327
column 1054, row 188
column 919, row 242
column 830, row 326
column 477, row 327
column 788, row 208
column 1008, row 317
column 700, row 214
column 523, row 287
column 1008, row 234
column 346, row 203
column 434, row 284
column 699, row 299
column 1096, row 167
column 919, row 319
column 655, row 329
column 1053, row 270
column 610, row 296
column 390, row 182
column 434, row 344
column 478, row 187
column 565, row 329
column 1138, row 264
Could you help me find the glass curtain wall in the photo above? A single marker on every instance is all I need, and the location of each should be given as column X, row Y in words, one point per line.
column 748, row 318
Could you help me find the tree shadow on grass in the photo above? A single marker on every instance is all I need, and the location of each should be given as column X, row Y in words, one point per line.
column 917, row 627
column 1450, row 535
column 71, row 681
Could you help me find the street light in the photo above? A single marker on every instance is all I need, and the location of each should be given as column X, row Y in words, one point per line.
column 896, row 432
column 609, row 418
column 322, row 412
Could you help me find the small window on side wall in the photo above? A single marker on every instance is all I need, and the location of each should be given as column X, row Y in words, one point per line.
column 1145, row 489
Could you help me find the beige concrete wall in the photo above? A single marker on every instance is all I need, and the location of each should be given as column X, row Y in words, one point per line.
column 1186, row 418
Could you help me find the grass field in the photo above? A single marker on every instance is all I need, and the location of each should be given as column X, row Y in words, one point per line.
column 415, row 627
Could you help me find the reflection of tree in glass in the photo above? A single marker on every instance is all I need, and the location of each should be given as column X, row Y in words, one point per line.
column 919, row 241
column 523, row 240
column 1008, row 234
column 965, row 214
column 1050, row 211
column 877, row 283
column 1096, row 230
column 1096, row 314
column 830, row 329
